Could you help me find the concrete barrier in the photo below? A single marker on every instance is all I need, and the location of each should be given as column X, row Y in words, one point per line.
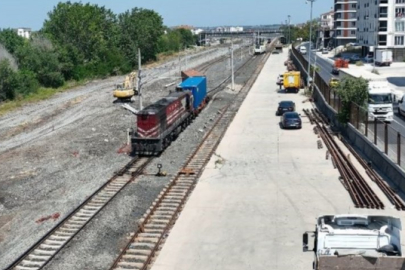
column 391, row 171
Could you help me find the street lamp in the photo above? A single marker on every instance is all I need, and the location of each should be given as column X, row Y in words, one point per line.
column 310, row 37
column 289, row 29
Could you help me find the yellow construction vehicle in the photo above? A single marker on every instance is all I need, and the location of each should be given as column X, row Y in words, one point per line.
column 127, row 89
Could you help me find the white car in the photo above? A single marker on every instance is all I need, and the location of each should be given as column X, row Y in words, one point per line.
column 303, row 50
column 401, row 106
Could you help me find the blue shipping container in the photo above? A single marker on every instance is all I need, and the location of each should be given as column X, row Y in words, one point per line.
column 198, row 86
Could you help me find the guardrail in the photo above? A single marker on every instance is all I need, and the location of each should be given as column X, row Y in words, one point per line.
column 387, row 139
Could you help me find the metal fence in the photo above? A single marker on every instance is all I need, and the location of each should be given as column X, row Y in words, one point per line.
column 387, row 139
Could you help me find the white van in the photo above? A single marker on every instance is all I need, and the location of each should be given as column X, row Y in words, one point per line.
column 303, row 50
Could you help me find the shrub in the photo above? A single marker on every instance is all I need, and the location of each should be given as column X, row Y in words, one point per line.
column 359, row 63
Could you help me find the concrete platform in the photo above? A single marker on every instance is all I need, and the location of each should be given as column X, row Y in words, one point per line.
column 250, row 212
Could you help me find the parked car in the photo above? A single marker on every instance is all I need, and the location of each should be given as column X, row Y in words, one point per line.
column 334, row 82
column 335, row 71
column 325, row 51
column 291, row 120
column 280, row 80
column 354, row 59
column 285, row 106
column 368, row 59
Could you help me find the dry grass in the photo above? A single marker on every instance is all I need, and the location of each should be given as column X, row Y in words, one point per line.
column 42, row 94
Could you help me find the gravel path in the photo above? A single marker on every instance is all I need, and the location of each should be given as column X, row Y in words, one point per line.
column 68, row 148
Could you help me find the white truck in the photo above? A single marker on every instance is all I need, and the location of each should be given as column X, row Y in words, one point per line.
column 356, row 242
column 380, row 99
column 383, row 58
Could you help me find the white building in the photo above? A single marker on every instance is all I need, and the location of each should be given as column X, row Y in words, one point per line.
column 326, row 29
column 236, row 29
column 381, row 23
column 197, row 31
column 24, row 32
column 345, row 21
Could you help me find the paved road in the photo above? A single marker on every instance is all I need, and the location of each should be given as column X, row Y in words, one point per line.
column 249, row 210
column 399, row 122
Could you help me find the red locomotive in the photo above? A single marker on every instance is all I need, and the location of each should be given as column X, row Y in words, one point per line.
column 160, row 123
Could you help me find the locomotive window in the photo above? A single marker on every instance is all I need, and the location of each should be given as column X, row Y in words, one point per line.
column 144, row 117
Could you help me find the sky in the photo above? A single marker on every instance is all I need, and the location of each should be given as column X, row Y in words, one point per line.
column 30, row 13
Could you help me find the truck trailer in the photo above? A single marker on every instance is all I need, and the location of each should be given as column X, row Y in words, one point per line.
column 356, row 242
column 383, row 58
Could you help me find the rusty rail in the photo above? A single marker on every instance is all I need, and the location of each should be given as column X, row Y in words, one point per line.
column 37, row 256
column 388, row 191
column 361, row 193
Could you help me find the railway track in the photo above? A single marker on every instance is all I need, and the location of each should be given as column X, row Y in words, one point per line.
column 48, row 246
column 250, row 60
column 360, row 192
column 161, row 216
column 37, row 256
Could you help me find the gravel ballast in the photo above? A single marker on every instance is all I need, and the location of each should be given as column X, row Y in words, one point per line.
column 72, row 150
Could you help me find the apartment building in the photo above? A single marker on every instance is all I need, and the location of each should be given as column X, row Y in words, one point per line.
column 381, row 24
column 345, row 19
column 326, row 29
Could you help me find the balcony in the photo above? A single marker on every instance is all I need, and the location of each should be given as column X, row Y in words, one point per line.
column 382, row 29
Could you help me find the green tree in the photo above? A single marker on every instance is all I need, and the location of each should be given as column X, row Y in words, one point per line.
column 87, row 36
column 40, row 58
column 187, row 38
column 140, row 28
column 11, row 40
column 351, row 90
column 8, row 81
column 27, row 83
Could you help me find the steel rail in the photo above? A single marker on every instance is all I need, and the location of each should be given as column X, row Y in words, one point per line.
column 361, row 193
column 38, row 255
column 160, row 217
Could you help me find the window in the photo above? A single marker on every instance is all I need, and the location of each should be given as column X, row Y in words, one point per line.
column 338, row 24
column 354, row 6
column 353, row 24
column 399, row 12
column 338, row 32
column 399, row 40
column 338, row 15
column 400, row 26
column 353, row 32
column 400, row 1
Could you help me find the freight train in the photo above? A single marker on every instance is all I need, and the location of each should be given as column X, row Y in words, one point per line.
column 161, row 122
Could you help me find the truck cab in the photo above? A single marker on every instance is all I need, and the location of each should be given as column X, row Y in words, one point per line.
column 353, row 241
column 380, row 99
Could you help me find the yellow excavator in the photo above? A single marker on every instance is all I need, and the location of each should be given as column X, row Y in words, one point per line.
column 126, row 90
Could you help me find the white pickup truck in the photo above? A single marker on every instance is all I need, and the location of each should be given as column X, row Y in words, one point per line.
column 356, row 242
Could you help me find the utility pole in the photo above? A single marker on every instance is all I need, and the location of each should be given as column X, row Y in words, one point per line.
column 289, row 29
column 310, row 37
column 185, row 52
column 233, row 82
column 139, row 79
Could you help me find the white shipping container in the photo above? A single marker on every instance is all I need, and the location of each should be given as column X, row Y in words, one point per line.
column 383, row 57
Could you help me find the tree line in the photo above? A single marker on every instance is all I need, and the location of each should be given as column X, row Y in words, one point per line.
column 79, row 41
